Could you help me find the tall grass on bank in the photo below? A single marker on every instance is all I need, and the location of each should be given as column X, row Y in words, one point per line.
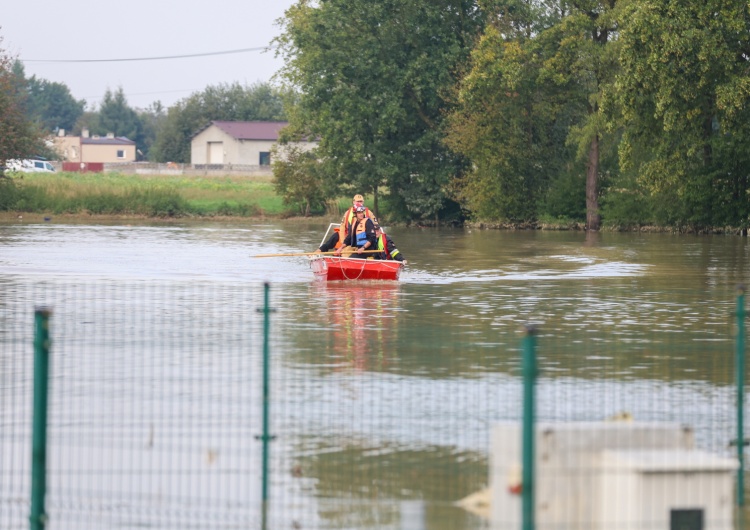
column 152, row 196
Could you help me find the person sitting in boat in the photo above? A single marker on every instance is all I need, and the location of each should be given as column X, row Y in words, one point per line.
column 346, row 221
column 386, row 246
column 360, row 235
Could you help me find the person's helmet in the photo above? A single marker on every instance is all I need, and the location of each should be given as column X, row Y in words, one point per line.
column 360, row 209
column 377, row 226
column 358, row 198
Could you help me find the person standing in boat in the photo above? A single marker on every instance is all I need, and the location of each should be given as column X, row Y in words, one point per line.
column 346, row 221
column 360, row 235
column 386, row 246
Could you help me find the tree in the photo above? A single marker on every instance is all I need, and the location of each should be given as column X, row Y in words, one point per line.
column 516, row 108
column 588, row 55
column 152, row 120
column 298, row 178
column 532, row 95
column 492, row 125
column 117, row 117
column 222, row 102
column 683, row 96
column 50, row 104
column 88, row 120
column 18, row 136
column 371, row 78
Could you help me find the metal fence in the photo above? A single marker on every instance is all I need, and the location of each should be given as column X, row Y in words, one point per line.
column 168, row 168
column 206, row 170
column 179, row 406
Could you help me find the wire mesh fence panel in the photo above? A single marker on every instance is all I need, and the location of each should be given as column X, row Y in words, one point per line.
column 16, row 376
column 384, row 403
column 151, row 421
column 634, row 423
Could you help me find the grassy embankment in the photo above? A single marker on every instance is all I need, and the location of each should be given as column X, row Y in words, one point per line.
column 113, row 194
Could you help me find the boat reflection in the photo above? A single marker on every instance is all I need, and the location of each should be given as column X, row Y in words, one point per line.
column 363, row 319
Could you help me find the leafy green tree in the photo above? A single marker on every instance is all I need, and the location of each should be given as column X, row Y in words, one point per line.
column 19, row 138
column 152, row 121
column 372, row 79
column 50, row 104
column 230, row 102
column 513, row 115
column 529, row 116
column 298, row 178
column 88, row 120
column 117, row 117
column 683, row 94
column 493, row 127
column 588, row 56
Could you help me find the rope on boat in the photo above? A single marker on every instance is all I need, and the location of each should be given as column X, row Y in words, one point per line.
column 343, row 270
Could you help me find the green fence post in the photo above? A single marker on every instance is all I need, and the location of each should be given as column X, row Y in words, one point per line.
column 740, row 369
column 529, row 368
column 266, row 391
column 37, row 518
column 265, row 437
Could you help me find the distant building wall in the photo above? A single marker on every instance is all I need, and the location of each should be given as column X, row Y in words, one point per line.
column 83, row 149
column 203, row 147
column 68, row 147
column 107, row 153
column 214, row 146
column 251, row 150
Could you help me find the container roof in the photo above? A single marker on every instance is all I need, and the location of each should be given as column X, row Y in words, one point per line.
column 251, row 130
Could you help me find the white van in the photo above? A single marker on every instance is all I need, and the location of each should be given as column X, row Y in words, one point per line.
column 31, row 165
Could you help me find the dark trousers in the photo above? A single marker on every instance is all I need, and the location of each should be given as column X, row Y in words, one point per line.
column 331, row 243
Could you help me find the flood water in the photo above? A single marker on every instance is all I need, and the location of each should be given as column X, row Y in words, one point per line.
column 382, row 394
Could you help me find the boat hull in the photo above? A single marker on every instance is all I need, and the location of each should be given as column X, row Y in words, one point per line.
column 333, row 268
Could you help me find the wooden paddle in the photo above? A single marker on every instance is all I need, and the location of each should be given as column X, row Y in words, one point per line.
column 309, row 254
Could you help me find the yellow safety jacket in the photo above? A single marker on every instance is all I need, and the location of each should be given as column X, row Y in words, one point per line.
column 389, row 250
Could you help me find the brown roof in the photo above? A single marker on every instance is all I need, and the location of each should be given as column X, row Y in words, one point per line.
column 120, row 140
column 252, row 130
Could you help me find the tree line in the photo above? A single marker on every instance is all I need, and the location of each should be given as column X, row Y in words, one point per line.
column 617, row 112
column 32, row 109
column 624, row 112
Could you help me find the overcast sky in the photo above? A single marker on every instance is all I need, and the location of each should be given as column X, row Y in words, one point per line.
column 48, row 30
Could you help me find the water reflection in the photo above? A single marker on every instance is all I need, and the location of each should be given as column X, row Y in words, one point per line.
column 361, row 320
column 382, row 393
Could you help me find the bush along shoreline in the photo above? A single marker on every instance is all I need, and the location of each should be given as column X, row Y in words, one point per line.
column 608, row 227
column 133, row 195
column 117, row 195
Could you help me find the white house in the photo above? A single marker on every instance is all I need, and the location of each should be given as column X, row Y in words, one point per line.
column 237, row 143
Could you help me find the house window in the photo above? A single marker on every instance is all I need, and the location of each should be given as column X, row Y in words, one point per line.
column 265, row 158
column 120, row 153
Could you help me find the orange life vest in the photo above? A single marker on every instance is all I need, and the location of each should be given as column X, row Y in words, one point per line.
column 361, row 228
column 347, row 220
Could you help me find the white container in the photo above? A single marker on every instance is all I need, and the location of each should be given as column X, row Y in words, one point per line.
column 604, row 475
column 662, row 487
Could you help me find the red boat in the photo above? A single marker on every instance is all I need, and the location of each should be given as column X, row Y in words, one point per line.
column 332, row 268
